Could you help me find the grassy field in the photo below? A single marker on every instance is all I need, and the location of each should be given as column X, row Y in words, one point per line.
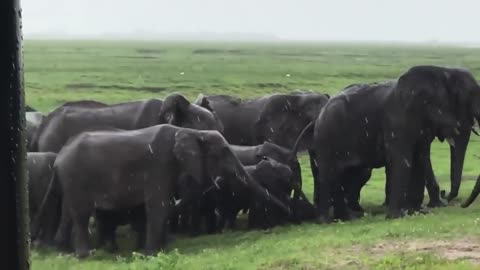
column 448, row 238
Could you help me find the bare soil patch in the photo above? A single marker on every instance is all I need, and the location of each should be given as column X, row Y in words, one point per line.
column 468, row 249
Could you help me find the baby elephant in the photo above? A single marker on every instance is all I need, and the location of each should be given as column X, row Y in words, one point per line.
column 275, row 177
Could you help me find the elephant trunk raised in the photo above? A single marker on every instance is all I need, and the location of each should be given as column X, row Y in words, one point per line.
column 473, row 195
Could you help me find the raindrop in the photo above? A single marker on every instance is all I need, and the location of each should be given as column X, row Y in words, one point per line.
column 393, row 134
column 287, row 75
column 150, row 147
column 366, row 133
column 366, row 120
column 439, row 111
column 458, row 123
column 182, row 73
column 406, row 162
column 271, row 129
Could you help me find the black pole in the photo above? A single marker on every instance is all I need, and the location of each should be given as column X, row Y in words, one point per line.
column 13, row 189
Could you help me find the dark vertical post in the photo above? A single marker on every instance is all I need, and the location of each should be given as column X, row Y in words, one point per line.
column 13, row 191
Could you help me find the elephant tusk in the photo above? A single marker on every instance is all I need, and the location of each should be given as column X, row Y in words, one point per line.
column 475, row 132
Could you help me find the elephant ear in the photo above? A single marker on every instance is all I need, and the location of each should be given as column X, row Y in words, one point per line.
column 202, row 101
column 280, row 121
column 174, row 109
column 188, row 150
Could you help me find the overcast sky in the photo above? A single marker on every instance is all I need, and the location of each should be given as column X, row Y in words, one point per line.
column 368, row 20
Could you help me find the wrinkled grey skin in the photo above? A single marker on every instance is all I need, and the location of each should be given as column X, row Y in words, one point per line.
column 40, row 171
column 139, row 167
column 34, row 119
column 391, row 125
column 252, row 155
column 274, row 177
column 66, row 122
column 276, row 118
column 44, row 128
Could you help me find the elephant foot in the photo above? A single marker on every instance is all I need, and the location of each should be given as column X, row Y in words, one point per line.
column 84, row 253
column 437, row 203
column 323, row 219
column 112, row 248
column 448, row 197
column 418, row 211
column 394, row 214
column 356, row 209
column 42, row 244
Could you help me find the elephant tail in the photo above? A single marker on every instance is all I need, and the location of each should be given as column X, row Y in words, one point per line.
column 473, row 195
column 48, row 193
column 299, row 139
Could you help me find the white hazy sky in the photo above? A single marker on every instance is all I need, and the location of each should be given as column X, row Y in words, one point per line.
column 382, row 20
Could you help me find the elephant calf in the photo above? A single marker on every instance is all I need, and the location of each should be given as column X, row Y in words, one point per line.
column 275, row 178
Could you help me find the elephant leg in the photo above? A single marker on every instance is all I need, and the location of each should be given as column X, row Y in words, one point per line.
column 64, row 231
column 157, row 209
column 314, row 168
column 196, row 221
column 356, row 178
column 139, row 227
column 432, row 186
column 48, row 226
column 322, row 187
column 398, row 169
column 340, row 209
column 81, row 216
column 420, row 168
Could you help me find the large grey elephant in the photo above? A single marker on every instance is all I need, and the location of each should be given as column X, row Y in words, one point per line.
column 40, row 171
column 276, row 118
column 114, row 170
column 390, row 124
column 66, row 122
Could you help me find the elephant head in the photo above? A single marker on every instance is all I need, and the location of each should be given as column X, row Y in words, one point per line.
column 178, row 111
column 473, row 195
column 284, row 116
column 206, row 156
column 466, row 102
column 269, row 168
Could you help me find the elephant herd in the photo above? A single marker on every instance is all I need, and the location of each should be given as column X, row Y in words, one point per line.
column 174, row 166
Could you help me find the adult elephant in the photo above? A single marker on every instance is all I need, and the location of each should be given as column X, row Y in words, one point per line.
column 38, row 129
column 65, row 122
column 40, row 171
column 115, row 170
column 390, row 124
column 276, row 118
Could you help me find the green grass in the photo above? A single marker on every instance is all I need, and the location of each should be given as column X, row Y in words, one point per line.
column 57, row 71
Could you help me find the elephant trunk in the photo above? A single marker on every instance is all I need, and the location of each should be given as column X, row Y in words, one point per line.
column 473, row 195
column 257, row 189
column 457, row 158
column 299, row 139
